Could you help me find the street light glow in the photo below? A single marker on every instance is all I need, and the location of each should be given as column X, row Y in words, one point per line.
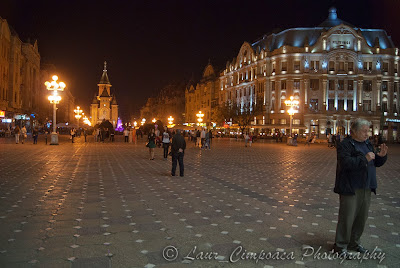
column 200, row 116
column 54, row 99
column 291, row 104
column 170, row 121
column 78, row 112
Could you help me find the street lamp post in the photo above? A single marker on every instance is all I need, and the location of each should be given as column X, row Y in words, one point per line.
column 54, row 99
column 291, row 103
column 170, row 121
column 78, row 115
column 154, row 120
column 200, row 116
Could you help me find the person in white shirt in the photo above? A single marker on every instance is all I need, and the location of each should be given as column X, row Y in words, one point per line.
column 246, row 139
column 126, row 134
column 203, row 137
column 165, row 141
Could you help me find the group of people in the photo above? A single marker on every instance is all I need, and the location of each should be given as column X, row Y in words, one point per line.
column 201, row 139
column 21, row 134
column 102, row 134
column 177, row 143
column 248, row 139
column 130, row 135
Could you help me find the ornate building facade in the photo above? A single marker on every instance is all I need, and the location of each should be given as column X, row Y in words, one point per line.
column 202, row 97
column 337, row 71
column 104, row 105
column 20, row 81
column 170, row 101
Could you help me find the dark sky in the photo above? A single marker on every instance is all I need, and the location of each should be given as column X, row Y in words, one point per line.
column 149, row 44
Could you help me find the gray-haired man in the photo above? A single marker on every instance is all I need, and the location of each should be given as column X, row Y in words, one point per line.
column 355, row 180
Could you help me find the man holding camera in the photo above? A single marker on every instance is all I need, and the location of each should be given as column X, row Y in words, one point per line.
column 355, row 180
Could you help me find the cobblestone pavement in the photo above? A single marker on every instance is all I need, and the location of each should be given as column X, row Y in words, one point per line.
column 108, row 205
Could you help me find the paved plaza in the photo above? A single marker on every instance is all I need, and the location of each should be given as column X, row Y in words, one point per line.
column 107, row 205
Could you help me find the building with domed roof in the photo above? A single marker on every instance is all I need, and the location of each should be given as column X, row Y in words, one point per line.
column 337, row 72
column 104, row 105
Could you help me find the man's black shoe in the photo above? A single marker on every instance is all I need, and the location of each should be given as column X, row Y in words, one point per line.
column 358, row 248
column 343, row 253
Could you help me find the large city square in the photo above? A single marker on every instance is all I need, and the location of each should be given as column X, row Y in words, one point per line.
column 199, row 134
column 107, row 205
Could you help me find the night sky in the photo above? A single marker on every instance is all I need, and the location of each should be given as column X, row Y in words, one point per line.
column 149, row 44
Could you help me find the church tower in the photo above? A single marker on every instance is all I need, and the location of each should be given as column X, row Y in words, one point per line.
column 104, row 106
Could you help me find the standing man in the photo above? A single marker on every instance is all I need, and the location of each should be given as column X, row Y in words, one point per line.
column 72, row 134
column 35, row 134
column 178, row 150
column 17, row 133
column 23, row 134
column 126, row 134
column 355, row 180
column 203, row 137
column 210, row 135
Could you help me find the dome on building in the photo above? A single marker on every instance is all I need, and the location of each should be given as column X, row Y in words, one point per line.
column 299, row 37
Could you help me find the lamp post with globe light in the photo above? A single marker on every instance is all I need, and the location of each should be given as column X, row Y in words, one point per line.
column 170, row 121
column 291, row 104
column 78, row 113
column 54, row 99
column 200, row 116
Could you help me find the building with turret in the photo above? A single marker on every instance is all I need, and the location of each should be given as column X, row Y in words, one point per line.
column 104, row 105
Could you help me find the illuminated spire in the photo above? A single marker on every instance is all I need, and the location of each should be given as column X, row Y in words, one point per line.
column 104, row 77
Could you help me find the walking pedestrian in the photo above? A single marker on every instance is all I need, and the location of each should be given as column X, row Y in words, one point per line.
column 203, row 137
column 23, row 134
column 151, row 143
column 294, row 141
column 130, row 136
column 210, row 136
column 72, row 133
column 126, row 134
column 85, row 133
column 17, row 133
column 250, row 139
column 246, row 139
column 207, row 142
column 134, row 139
column 355, row 180
column 35, row 134
column 178, row 151
column 165, row 141
column 96, row 134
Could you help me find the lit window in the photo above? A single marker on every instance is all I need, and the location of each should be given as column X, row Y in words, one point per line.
column 284, row 66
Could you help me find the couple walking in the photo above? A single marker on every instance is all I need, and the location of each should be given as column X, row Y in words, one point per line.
column 178, row 146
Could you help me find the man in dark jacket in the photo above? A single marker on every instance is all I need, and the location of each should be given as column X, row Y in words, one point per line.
column 355, row 180
column 178, row 150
